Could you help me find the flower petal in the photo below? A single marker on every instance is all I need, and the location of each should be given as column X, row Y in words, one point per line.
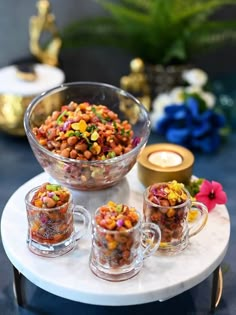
column 176, row 111
column 211, row 194
column 195, row 77
column 221, row 197
column 201, row 129
column 206, row 187
column 216, row 186
column 209, row 203
column 207, row 144
column 178, row 136
column 218, row 120
column 162, row 125
column 193, row 106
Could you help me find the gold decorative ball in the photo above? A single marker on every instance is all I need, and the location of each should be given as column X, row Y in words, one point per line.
column 137, row 65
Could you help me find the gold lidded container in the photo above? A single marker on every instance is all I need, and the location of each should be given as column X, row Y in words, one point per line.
column 165, row 162
column 19, row 88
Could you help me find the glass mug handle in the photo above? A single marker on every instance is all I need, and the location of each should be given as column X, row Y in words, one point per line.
column 197, row 226
column 85, row 217
column 151, row 238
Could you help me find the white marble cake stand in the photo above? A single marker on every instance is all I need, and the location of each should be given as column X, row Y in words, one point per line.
column 69, row 276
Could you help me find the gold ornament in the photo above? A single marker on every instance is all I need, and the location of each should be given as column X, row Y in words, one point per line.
column 40, row 24
column 136, row 82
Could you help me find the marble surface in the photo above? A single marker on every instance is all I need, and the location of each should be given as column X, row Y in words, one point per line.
column 69, row 276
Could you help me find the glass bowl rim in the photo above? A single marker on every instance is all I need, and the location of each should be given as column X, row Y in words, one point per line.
column 65, row 86
column 181, row 205
column 101, row 229
column 33, row 190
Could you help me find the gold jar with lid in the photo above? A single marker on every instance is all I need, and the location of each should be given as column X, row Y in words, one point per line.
column 19, row 88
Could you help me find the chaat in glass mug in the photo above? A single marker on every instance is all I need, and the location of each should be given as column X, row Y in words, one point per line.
column 168, row 204
column 121, row 242
column 51, row 217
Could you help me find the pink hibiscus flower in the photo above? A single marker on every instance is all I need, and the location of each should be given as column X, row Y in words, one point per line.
column 211, row 194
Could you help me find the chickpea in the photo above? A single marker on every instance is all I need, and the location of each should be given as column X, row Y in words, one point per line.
column 56, row 144
column 72, row 106
column 65, row 152
column 49, row 202
column 55, row 115
column 170, row 212
column 83, row 178
column 72, row 140
column 63, row 145
column 117, row 150
column 126, row 254
column 50, row 145
column 164, row 203
column 112, row 115
column 80, row 157
column 73, row 154
column 86, row 117
column 83, row 106
column 51, row 133
column 127, row 149
column 108, row 133
column 88, row 154
column 82, row 147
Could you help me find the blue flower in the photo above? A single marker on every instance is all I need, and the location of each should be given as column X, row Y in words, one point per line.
column 192, row 125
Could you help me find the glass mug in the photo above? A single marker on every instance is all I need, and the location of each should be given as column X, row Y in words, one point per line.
column 119, row 255
column 51, row 231
column 176, row 230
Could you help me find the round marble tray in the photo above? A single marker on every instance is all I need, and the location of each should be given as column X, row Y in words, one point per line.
column 69, row 276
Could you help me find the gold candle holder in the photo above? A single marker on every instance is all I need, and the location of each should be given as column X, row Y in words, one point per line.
column 165, row 162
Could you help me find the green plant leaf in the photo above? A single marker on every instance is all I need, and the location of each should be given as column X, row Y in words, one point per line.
column 122, row 13
column 195, row 8
column 82, row 33
column 176, row 51
column 158, row 31
column 138, row 4
column 212, row 35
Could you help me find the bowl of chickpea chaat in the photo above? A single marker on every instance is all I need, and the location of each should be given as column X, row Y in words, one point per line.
column 90, row 135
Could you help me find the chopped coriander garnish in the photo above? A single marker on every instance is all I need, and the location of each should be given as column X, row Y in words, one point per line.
column 70, row 133
column 111, row 154
column 91, row 128
column 59, row 119
column 53, row 187
column 77, row 133
column 115, row 124
column 119, row 207
column 98, row 115
column 55, row 197
column 125, row 132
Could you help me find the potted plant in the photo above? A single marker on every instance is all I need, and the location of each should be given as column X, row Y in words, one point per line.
column 158, row 31
column 165, row 34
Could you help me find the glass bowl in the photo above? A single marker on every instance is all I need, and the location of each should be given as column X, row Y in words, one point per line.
column 87, row 174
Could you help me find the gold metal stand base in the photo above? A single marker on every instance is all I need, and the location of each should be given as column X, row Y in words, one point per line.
column 217, row 288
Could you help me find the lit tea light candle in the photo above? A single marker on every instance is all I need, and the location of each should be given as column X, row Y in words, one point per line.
column 164, row 162
column 165, row 158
